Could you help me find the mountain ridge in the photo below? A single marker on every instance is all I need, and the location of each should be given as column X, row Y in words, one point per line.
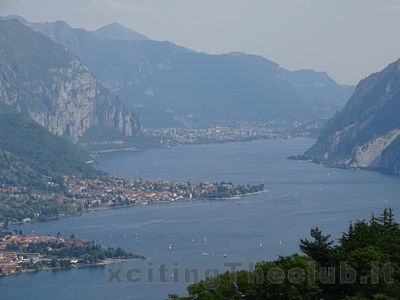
column 170, row 85
column 116, row 31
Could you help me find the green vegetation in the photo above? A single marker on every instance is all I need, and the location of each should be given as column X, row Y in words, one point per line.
column 365, row 264
column 227, row 190
column 42, row 209
column 30, row 156
column 66, row 254
column 87, row 252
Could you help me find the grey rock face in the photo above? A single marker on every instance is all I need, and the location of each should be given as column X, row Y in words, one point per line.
column 366, row 133
column 39, row 78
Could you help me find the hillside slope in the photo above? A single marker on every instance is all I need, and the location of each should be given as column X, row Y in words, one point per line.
column 30, row 155
column 366, row 133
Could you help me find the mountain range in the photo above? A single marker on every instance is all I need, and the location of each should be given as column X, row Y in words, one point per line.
column 169, row 85
column 42, row 80
column 49, row 100
column 366, row 133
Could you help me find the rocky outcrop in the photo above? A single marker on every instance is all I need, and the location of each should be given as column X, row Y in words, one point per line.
column 42, row 80
column 366, row 134
column 390, row 158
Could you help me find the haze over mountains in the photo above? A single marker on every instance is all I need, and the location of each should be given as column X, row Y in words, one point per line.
column 366, row 133
column 42, row 80
column 169, row 85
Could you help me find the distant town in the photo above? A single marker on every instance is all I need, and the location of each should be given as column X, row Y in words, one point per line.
column 168, row 137
column 220, row 134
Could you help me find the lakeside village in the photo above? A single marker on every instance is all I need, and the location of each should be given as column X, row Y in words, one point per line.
column 76, row 195
column 21, row 253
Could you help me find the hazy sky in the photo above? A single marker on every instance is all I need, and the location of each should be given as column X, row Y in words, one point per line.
column 347, row 38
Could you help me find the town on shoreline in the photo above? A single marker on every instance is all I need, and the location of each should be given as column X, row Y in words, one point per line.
column 20, row 253
column 75, row 196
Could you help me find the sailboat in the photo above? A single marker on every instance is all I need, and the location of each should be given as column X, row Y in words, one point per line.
column 205, row 240
column 170, row 248
column 261, row 244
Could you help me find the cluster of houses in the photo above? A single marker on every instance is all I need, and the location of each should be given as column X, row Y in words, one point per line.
column 114, row 191
column 108, row 191
column 10, row 260
column 117, row 191
column 182, row 136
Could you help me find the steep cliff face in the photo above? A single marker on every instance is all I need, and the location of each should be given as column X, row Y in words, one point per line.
column 41, row 79
column 366, row 133
column 390, row 158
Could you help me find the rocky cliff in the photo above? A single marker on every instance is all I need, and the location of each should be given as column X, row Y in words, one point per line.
column 42, row 80
column 366, row 133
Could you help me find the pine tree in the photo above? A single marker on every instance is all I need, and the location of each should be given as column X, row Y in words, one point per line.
column 320, row 249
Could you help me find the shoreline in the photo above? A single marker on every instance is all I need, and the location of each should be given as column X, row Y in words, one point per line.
column 98, row 153
column 106, row 262
column 236, row 197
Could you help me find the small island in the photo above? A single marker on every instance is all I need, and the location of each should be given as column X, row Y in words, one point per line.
column 23, row 253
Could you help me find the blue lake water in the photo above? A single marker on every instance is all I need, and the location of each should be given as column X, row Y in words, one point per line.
column 300, row 196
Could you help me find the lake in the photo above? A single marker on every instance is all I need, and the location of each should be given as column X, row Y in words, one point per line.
column 208, row 234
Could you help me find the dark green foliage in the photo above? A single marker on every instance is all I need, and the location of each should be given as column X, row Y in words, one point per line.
column 41, row 210
column 62, row 252
column 371, row 249
column 319, row 249
column 29, row 154
column 228, row 190
column 14, row 171
column 86, row 252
